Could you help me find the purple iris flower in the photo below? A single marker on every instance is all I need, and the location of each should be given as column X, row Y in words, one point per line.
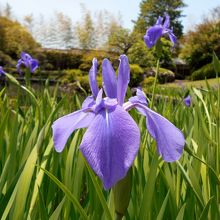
column 187, row 101
column 2, row 72
column 158, row 30
column 27, row 61
column 112, row 139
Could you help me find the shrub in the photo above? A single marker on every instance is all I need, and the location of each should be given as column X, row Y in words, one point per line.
column 73, row 74
column 164, row 75
column 99, row 55
column 58, row 59
column 136, row 75
column 206, row 71
column 148, row 81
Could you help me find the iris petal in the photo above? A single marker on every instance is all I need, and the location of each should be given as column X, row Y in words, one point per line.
column 170, row 140
column 109, row 79
column 92, row 77
column 88, row 102
column 123, row 78
column 64, row 126
column 34, row 65
column 110, row 144
column 172, row 37
column 153, row 34
column 167, row 21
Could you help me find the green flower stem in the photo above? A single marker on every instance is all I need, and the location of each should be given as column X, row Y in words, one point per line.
column 155, row 81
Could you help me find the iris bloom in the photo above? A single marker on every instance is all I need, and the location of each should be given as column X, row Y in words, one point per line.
column 158, row 30
column 187, row 101
column 27, row 61
column 112, row 139
column 2, row 72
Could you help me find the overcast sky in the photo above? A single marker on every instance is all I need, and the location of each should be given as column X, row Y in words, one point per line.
column 128, row 9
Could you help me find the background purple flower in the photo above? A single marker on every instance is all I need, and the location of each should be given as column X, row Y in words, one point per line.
column 27, row 61
column 158, row 30
column 187, row 101
column 112, row 139
column 2, row 72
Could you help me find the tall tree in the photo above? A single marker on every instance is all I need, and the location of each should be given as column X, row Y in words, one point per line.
column 65, row 30
column 85, row 31
column 29, row 22
column 8, row 11
column 151, row 9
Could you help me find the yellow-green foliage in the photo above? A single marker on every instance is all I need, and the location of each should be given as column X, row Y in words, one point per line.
column 14, row 38
column 136, row 75
column 205, row 72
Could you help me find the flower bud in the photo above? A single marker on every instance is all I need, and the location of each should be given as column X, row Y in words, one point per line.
column 122, row 192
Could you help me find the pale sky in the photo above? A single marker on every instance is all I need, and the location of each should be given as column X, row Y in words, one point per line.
column 128, row 9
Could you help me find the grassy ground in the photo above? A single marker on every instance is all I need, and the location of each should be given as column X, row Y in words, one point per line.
column 38, row 183
column 199, row 83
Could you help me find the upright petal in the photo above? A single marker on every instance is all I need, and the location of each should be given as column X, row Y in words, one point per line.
column 123, row 78
column 109, row 79
column 92, row 77
column 64, row 126
column 159, row 20
column 167, row 21
column 110, row 144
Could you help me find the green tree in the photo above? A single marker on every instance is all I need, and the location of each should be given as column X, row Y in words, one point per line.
column 14, row 38
column 85, row 31
column 120, row 40
column 199, row 44
column 151, row 9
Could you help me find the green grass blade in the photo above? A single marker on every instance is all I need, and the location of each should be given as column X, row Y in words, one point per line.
column 69, row 195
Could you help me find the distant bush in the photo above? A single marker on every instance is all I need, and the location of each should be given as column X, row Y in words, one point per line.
column 57, row 59
column 164, row 75
column 148, row 81
column 136, row 75
column 99, row 55
column 72, row 75
column 14, row 38
column 206, row 71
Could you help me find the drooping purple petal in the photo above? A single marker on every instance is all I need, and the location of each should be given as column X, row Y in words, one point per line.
column 92, row 77
column 123, row 78
column 110, row 144
column 2, row 72
column 64, row 126
column 152, row 35
column 109, row 79
column 170, row 140
column 172, row 37
column 88, row 102
column 33, row 65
